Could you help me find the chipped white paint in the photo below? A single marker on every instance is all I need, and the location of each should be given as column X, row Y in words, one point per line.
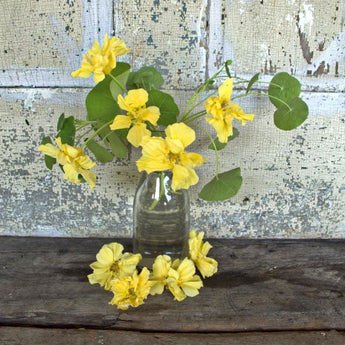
column 306, row 17
column 293, row 181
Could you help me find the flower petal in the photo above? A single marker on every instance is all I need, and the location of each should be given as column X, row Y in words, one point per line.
column 150, row 114
column 154, row 156
column 137, row 133
column 225, row 90
column 136, row 98
column 223, row 129
column 120, row 122
column 180, row 131
column 183, row 177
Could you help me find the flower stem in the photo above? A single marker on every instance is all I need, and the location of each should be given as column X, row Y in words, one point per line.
column 96, row 133
column 118, row 83
column 214, row 146
column 161, row 191
column 262, row 94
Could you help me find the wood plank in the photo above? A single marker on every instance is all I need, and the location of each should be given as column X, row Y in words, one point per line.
column 24, row 336
column 261, row 285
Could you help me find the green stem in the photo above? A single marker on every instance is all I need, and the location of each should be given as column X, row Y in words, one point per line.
column 214, row 146
column 195, row 116
column 161, row 191
column 118, row 83
column 96, row 133
column 262, row 94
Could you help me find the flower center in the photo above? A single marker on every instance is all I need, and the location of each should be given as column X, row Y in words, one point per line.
column 114, row 267
column 173, row 157
column 131, row 291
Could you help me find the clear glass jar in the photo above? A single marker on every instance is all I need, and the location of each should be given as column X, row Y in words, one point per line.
column 161, row 218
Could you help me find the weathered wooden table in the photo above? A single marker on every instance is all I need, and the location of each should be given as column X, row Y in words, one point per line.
column 266, row 292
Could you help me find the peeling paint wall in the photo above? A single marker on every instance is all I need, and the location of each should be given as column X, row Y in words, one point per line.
column 294, row 185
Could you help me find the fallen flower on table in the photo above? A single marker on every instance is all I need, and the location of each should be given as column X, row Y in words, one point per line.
column 118, row 272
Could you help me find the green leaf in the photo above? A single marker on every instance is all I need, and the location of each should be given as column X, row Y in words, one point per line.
column 67, row 131
column 252, row 81
column 100, row 152
column 121, row 73
column 100, row 103
column 283, row 87
column 60, row 121
column 167, row 106
column 117, row 145
column 221, row 146
column 224, row 187
column 291, row 115
column 227, row 64
column 147, row 78
column 49, row 161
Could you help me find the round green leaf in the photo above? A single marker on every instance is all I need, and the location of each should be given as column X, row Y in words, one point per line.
column 167, row 106
column 100, row 103
column 224, row 187
column 67, row 131
column 283, row 87
column 291, row 115
column 147, row 78
column 100, row 152
column 121, row 73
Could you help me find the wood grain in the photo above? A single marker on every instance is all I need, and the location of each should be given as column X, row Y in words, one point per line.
column 262, row 285
column 24, row 336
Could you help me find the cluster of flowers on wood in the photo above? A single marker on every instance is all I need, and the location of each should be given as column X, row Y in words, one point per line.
column 117, row 272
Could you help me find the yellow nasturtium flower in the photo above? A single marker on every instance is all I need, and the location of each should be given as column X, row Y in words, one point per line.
column 137, row 115
column 223, row 112
column 198, row 253
column 159, row 275
column 73, row 160
column 112, row 264
column 160, row 154
column 101, row 61
column 182, row 280
column 131, row 290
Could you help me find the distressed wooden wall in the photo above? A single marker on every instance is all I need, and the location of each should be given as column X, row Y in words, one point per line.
column 294, row 182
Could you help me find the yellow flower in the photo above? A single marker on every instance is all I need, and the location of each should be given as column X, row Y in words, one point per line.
column 182, row 280
column 198, row 253
column 168, row 154
column 223, row 112
column 131, row 290
column 112, row 264
column 137, row 114
column 160, row 271
column 73, row 161
column 101, row 61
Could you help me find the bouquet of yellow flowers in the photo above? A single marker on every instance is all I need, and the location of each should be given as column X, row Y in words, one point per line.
column 128, row 107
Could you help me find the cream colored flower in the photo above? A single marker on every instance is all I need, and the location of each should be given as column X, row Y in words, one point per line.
column 137, row 115
column 160, row 154
column 73, row 160
column 131, row 290
column 111, row 264
column 182, row 280
column 223, row 112
column 198, row 253
column 101, row 61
